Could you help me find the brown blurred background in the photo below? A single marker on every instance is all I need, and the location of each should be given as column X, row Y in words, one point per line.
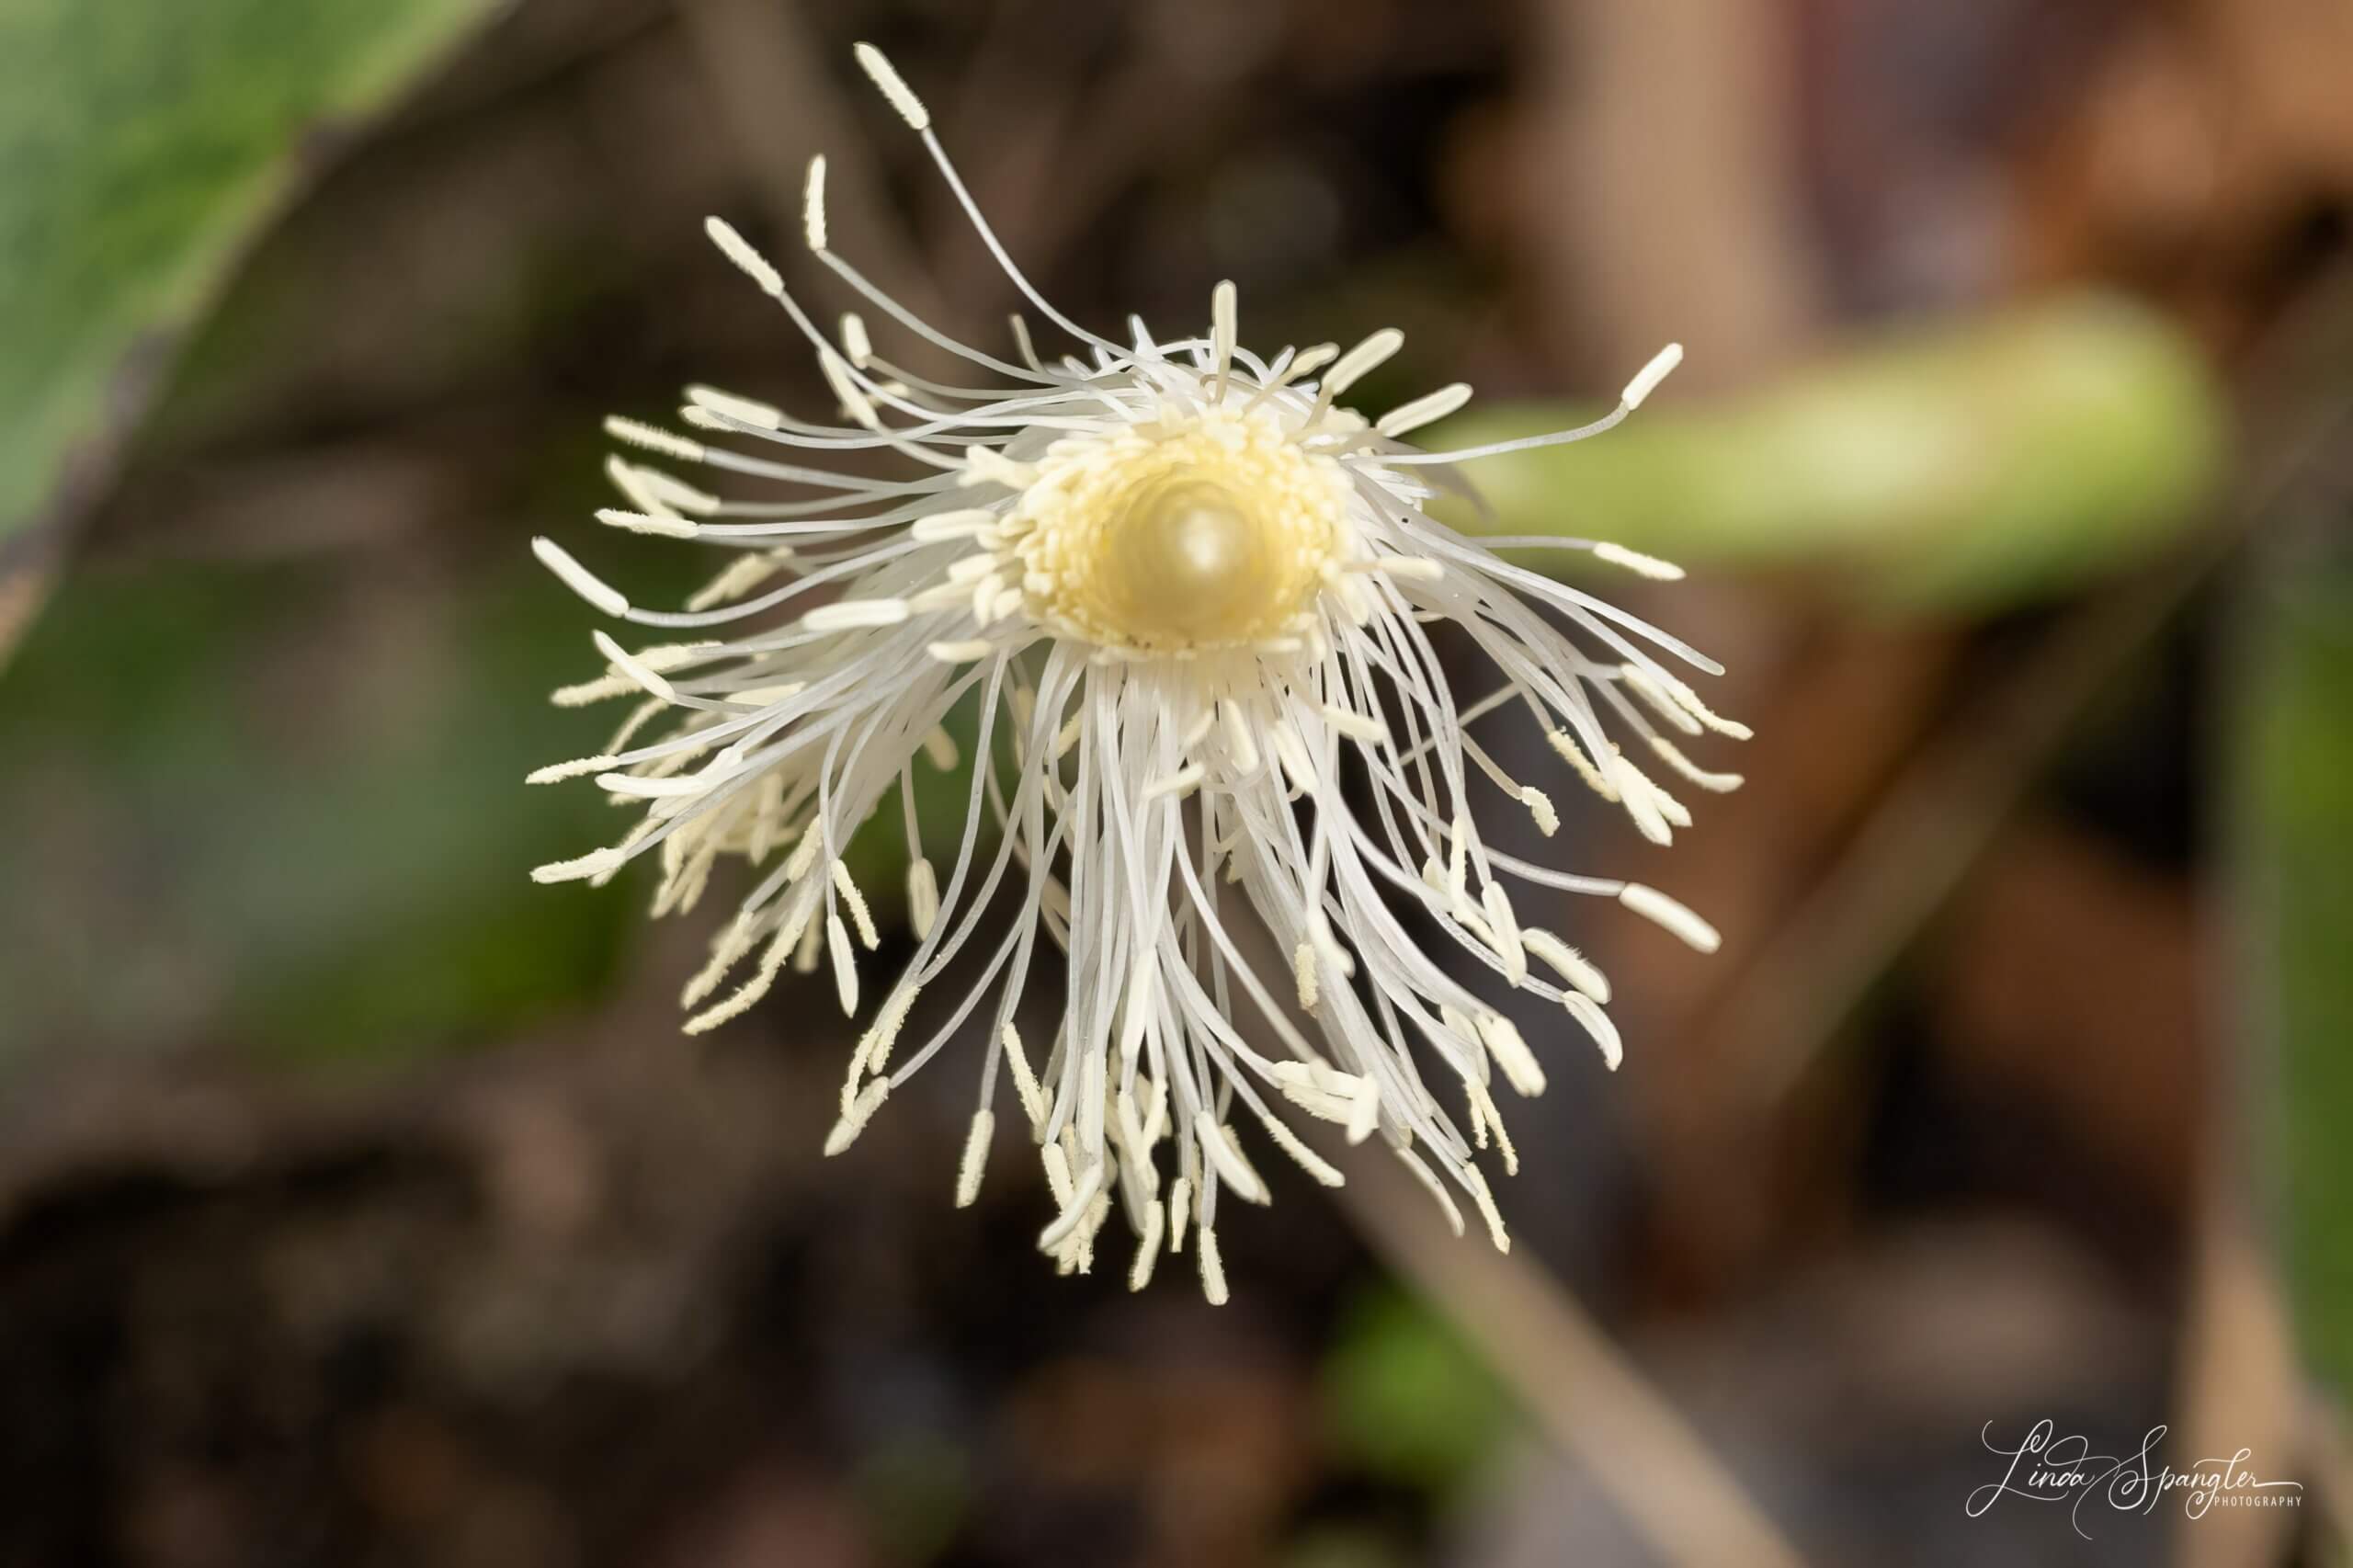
column 360, row 1203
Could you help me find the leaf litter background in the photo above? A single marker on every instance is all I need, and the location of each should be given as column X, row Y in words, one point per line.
column 360, row 1202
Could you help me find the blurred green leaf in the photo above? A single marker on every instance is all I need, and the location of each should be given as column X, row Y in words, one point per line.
column 1967, row 466
column 140, row 140
column 2298, row 797
column 1406, row 1398
column 282, row 806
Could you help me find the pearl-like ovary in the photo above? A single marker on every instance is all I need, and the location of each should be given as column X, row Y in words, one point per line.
column 1197, row 539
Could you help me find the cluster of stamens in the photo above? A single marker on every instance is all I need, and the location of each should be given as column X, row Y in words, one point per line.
column 1189, row 596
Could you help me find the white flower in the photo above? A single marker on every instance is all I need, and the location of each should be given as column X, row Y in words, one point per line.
column 1192, row 594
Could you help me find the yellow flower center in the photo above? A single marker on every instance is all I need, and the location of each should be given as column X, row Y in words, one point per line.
column 1214, row 534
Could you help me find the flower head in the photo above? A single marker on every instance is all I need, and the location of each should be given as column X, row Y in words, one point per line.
column 1192, row 594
